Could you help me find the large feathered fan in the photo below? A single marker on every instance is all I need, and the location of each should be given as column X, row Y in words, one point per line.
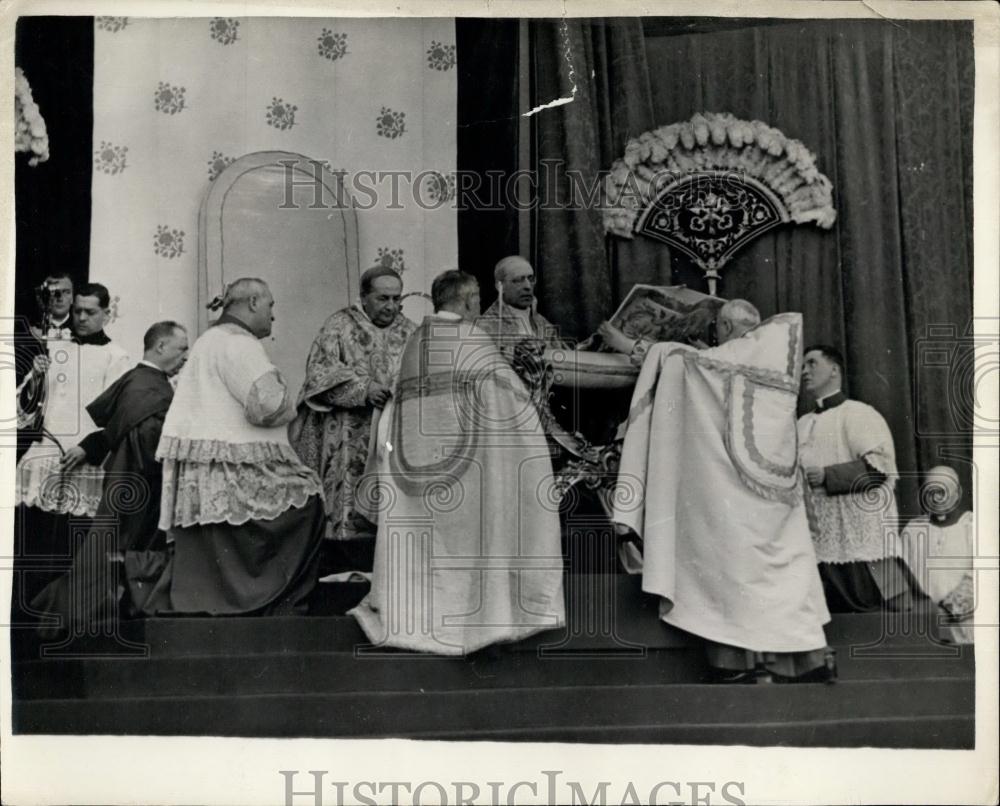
column 30, row 134
column 711, row 185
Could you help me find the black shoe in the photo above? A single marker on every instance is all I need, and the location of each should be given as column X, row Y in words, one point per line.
column 731, row 676
column 820, row 675
column 488, row 654
column 826, row 673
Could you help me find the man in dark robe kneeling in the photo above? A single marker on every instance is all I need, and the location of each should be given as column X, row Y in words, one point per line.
column 117, row 552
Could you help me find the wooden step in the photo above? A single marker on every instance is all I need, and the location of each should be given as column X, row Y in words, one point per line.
column 635, row 679
column 344, row 671
column 873, row 634
column 929, row 732
column 513, row 710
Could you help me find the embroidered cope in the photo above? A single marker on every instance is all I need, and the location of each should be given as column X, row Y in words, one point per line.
column 467, row 552
column 514, row 326
column 333, row 429
column 709, row 479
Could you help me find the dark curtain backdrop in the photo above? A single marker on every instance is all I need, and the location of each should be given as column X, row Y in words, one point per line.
column 52, row 201
column 487, row 141
column 887, row 109
column 581, row 275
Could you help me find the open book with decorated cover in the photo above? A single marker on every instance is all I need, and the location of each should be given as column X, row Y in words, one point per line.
column 666, row 313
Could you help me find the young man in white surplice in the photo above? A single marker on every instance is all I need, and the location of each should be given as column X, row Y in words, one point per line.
column 60, row 476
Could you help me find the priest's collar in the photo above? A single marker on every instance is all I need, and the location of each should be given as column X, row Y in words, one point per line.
column 357, row 306
column 98, row 338
column 512, row 311
column 831, row 401
column 144, row 363
column 228, row 319
column 361, row 309
column 447, row 315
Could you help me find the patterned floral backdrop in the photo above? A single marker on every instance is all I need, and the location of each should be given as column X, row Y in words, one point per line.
column 177, row 100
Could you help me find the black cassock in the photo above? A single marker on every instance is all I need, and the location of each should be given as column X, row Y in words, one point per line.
column 123, row 548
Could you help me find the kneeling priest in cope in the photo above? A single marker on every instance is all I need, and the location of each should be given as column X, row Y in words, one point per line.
column 244, row 514
column 467, row 552
column 711, row 446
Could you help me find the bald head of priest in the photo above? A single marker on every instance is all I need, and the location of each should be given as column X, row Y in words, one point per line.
column 456, row 292
column 513, row 317
column 515, row 279
column 735, row 319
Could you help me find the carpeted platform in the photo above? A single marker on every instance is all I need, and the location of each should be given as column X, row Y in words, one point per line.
column 623, row 677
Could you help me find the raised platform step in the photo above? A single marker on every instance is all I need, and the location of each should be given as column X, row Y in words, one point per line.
column 346, row 671
column 617, row 673
column 183, row 637
column 571, row 714
column 932, row 732
column 620, row 617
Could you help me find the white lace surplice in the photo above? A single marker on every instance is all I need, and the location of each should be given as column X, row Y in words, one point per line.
column 854, row 526
column 941, row 560
column 78, row 375
column 226, row 457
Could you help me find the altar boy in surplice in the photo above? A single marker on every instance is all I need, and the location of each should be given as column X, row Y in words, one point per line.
column 53, row 484
column 847, row 451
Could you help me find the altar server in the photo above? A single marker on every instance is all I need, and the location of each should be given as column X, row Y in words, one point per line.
column 54, row 482
column 939, row 547
column 53, row 475
column 849, row 458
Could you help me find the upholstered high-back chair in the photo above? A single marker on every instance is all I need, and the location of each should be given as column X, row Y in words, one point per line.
column 284, row 218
